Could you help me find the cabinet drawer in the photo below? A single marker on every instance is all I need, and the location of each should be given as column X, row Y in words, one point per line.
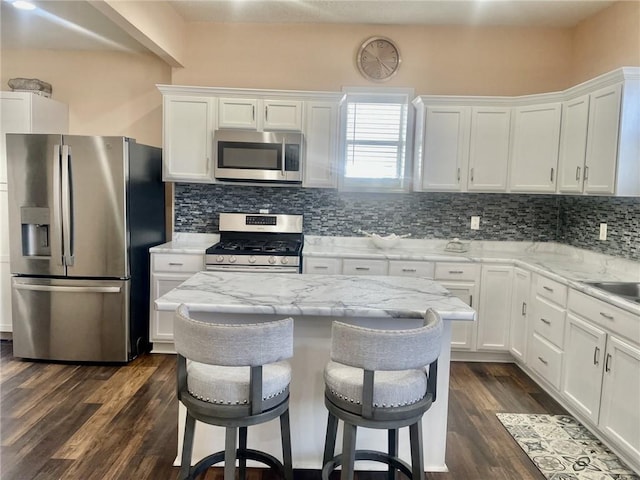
column 351, row 266
column 552, row 290
column 457, row 271
column 401, row 268
column 615, row 319
column 169, row 262
column 548, row 322
column 327, row 266
column 546, row 360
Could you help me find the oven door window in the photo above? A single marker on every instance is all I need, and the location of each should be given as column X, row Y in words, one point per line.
column 252, row 156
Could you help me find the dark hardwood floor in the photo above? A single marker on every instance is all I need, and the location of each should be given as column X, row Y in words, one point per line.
column 61, row 421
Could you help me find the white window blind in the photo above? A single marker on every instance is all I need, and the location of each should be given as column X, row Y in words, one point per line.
column 375, row 141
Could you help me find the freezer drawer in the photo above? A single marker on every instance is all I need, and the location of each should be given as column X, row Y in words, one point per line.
column 74, row 320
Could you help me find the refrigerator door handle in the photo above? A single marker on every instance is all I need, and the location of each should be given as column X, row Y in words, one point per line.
column 67, row 198
column 55, row 288
column 57, row 209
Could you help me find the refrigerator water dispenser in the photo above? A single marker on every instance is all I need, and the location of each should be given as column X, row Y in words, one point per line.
column 35, row 232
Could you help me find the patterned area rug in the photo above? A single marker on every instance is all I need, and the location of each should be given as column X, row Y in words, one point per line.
column 563, row 449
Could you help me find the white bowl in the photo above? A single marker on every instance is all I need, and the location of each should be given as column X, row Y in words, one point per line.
column 385, row 242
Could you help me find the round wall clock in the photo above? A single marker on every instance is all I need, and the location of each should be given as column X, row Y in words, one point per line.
column 378, row 59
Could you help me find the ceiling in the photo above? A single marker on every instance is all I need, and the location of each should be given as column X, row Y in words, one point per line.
column 77, row 25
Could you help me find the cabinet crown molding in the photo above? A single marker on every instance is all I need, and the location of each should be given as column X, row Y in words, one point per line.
column 249, row 93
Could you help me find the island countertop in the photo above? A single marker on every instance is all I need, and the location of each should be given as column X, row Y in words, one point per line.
column 315, row 295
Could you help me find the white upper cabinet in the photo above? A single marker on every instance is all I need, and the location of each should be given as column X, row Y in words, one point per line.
column 259, row 114
column 534, row 153
column 321, row 151
column 489, row 148
column 188, row 124
column 602, row 140
column 573, row 144
column 445, row 149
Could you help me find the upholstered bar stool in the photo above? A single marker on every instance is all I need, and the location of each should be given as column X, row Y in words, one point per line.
column 234, row 376
column 383, row 379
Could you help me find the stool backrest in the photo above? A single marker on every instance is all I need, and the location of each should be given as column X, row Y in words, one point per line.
column 374, row 349
column 232, row 345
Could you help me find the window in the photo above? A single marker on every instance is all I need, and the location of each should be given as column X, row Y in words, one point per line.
column 375, row 135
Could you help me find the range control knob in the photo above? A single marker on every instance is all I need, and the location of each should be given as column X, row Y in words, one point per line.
column 272, row 260
column 284, row 260
column 219, row 259
column 252, row 259
column 232, row 259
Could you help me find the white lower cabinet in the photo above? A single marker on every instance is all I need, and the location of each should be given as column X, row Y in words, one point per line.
column 5, row 270
column 168, row 270
column 322, row 265
column 546, row 360
column 519, row 314
column 494, row 318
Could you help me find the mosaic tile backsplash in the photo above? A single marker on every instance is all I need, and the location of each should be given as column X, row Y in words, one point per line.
column 571, row 220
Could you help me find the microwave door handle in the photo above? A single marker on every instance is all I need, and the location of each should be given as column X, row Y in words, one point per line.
column 57, row 209
column 67, row 218
column 283, row 156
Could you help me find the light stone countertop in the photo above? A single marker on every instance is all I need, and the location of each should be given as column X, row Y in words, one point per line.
column 315, row 295
column 568, row 265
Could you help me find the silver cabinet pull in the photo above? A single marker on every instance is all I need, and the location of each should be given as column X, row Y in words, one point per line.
column 320, row 267
column 524, row 308
column 253, row 113
column 548, row 289
column 607, row 316
column 471, row 300
column 176, row 264
column 455, row 272
column 586, row 173
column 545, row 321
column 543, row 360
column 362, row 268
column 458, row 174
column 577, row 173
column 552, row 171
column 472, row 174
column 266, row 113
column 596, row 356
column 409, row 270
column 607, row 368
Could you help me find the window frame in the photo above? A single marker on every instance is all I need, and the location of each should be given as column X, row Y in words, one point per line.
column 377, row 95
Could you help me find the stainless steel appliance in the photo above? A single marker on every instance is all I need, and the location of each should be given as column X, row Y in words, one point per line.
column 83, row 212
column 258, row 156
column 257, row 243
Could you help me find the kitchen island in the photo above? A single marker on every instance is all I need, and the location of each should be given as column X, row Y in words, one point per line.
column 314, row 301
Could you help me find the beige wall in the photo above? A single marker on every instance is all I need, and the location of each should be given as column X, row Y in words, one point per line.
column 436, row 60
column 607, row 41
column 108, row 93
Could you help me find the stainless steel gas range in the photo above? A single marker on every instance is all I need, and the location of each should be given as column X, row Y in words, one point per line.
column 257, row 243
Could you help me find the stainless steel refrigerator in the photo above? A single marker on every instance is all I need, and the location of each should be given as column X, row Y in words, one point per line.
column 83, row 212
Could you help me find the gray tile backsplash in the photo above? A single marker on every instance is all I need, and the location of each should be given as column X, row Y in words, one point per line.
column 423, row 215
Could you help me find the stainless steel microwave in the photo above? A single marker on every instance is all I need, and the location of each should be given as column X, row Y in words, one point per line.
column 258, row 156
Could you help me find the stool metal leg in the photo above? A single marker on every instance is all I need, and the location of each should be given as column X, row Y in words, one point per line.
column 230, row 453
column 187, row 446
column 348, row 451
column 393, row 450
column 330, row 438
column 285, row 434
column 242, row 463
column 417, row 459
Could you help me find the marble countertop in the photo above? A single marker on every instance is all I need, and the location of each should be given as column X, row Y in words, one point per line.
column 189, row 243
column 316, row 295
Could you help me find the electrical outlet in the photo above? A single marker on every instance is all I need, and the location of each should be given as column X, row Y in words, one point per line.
column 603, row 231
column 475, row 223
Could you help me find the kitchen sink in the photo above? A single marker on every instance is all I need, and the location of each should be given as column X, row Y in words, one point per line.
column 628, row 290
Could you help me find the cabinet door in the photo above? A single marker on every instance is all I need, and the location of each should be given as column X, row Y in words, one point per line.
column 322, row 265
column 352, row 266
column 463, row 334
column 446, row 148
column 282, row 115
column 534, row 155
column 161, row 327
column 602, row 141
column 187, row 138
column 493, row 318
column 237, row 113
column 519, row 314
column 619, row 412
column 5, row 271
column 584, row 357
column 489, row 149
column 573, row 144
column 320, row 153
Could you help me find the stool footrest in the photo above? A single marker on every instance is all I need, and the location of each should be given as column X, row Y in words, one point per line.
column 241, row 454
column 371, row 455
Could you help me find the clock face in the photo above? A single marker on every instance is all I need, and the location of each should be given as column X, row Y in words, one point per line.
column 378, row 59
